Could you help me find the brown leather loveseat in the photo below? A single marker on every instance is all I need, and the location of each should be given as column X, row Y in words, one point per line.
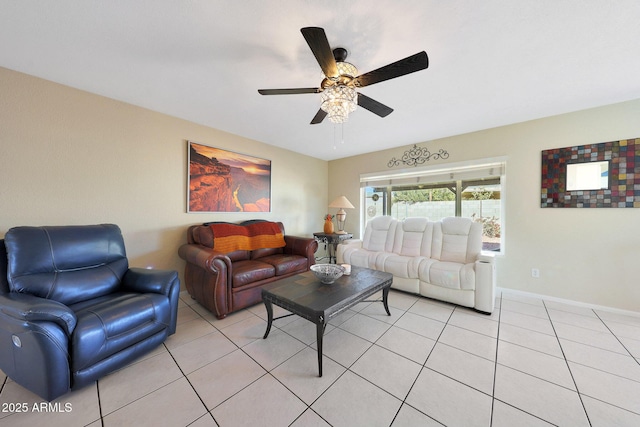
column 227, row 264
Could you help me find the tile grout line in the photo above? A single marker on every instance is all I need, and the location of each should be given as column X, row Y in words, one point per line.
column 268, row 372
column 495, row 369
column 566, row 361
column 100, row 402
column 191, row 385
column 495, row 365
column 616, row 337
column 424, row 366
column 184, row 375
column 348, row 368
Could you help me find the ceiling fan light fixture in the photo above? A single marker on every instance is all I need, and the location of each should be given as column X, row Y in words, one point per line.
column 347, row 69
column 338, row 101
column 340, row 78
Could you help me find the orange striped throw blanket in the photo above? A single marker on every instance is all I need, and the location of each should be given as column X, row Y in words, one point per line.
column 258, row 235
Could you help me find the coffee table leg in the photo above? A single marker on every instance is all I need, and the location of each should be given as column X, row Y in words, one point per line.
column 269, row 307
column 385, row 295
column 320, row 333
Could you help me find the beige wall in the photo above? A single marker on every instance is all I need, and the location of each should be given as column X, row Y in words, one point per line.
column 71, row 157
column 586, row 255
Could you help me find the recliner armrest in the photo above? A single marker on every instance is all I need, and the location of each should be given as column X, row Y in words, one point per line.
column 485, row 283
column 31, row 308
column 146, row 280
column 486, row 258
column 165, row 282
column 352, row 242
column 345, row 244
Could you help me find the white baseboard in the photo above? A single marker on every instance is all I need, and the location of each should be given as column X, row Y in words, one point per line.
column 568, row 301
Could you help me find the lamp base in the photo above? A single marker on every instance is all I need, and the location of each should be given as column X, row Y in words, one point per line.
column 341, row 232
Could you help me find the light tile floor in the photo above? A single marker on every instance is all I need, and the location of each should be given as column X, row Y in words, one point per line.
column 531, row 363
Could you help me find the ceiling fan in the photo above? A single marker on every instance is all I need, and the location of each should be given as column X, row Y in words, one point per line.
column 338, row 88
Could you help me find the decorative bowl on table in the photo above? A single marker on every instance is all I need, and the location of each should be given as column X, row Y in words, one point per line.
column 327, row 273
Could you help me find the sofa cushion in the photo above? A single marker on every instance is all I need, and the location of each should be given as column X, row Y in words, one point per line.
column 239, row 255
column 399, row 265
column 457, row 239
column 410, row 237
column 111, row 323
column 379, row 234
column 286, row 264
column 451, row 275
column 264, row 252
column 249, row 271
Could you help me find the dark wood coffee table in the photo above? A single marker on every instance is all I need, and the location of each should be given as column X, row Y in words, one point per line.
column 304, row 295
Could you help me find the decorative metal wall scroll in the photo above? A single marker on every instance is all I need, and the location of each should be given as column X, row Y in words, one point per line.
column 623, row 176
column 417, row 156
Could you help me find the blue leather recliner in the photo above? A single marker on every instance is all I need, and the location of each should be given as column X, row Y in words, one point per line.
column 71, row 309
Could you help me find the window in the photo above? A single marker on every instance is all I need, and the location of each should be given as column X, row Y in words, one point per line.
column 467, row 192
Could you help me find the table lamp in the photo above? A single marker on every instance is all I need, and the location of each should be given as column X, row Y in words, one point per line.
column 341, row 203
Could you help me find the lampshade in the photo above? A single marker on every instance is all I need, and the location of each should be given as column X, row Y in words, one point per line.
column 341, row 202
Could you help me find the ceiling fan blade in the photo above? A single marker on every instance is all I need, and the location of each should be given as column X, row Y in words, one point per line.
column 319, row 117
column 374, row 106
column 289, row 91
column 317, row 41
column 408, row 65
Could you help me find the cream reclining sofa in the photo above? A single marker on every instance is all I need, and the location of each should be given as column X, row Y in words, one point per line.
column 436, row 259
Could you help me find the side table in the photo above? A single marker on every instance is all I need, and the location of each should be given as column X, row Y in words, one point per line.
column 332, row 240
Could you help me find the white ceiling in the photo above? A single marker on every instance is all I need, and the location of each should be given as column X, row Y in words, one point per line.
column 492, row 62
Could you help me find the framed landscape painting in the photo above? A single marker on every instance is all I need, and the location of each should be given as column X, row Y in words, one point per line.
column 224, row 181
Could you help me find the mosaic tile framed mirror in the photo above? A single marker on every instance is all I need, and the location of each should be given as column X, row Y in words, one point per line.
column 604, row 175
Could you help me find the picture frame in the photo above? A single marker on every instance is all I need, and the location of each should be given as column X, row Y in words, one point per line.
column 220, row 180
column 619, row 188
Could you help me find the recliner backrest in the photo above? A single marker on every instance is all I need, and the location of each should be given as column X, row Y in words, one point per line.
column 413, row 237
column 4, row 285
column 67, row 264
column 379, row 234
column 457, row 239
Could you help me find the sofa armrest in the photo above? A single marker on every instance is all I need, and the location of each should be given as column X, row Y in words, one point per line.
column 303, row 246
column 357, row 243
column 484, row 257
column 30, row 308
column 485, row 284
column 345, row 244
column 208, row 277
column 206, row 258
